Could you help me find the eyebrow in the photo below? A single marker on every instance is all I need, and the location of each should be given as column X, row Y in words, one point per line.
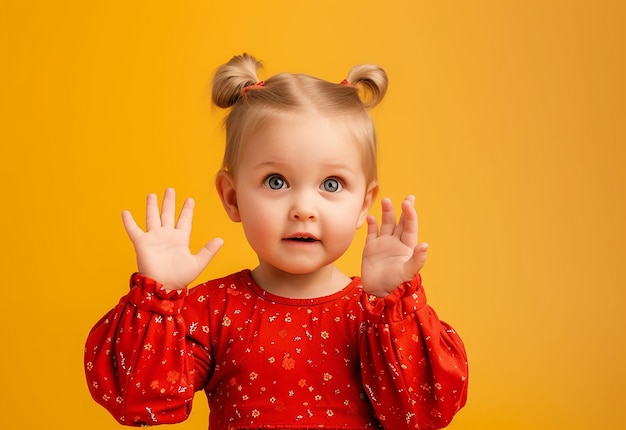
column 275, row 164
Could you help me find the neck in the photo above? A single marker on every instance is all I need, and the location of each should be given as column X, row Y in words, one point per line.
column 323, row 282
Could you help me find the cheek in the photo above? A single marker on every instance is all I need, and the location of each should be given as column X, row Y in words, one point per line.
column 259, row 213
column 343, row 224
column 258, row 219
column 350, row 217
column 259, row 232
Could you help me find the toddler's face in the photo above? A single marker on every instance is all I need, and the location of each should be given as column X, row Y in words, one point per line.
column 301, row 191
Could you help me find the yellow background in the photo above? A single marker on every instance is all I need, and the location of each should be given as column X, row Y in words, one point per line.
column 505, row 118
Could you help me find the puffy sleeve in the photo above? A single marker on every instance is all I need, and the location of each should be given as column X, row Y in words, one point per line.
column 139, row 363
column 414, row 366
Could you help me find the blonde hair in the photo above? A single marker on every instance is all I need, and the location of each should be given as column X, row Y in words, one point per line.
column 251, row 102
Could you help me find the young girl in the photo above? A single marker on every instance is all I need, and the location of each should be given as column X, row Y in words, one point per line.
column 294, row 343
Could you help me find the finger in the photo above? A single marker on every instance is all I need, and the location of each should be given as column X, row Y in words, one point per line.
column 417, row 260
column 186, row 215
column 153, row 220
column 408, row 225
column 132, row 229
column 168, row 210
column 388, row 219
column 372, row 228
column 208, row 251
column 400, row 227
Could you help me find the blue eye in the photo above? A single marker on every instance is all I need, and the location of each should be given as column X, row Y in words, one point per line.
column 332, row 185
column 275, row 182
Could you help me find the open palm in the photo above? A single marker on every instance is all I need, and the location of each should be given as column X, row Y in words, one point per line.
column 163, row 249
column 392, row 255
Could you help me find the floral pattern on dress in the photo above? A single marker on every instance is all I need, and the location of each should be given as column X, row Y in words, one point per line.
column 344, row 361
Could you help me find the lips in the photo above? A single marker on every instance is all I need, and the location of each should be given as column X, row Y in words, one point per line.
column 302, row 237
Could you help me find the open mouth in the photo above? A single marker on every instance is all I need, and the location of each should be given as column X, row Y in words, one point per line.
column 302, row 239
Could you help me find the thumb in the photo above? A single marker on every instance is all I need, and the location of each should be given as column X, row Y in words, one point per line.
column 208, row 251
column 418, row 259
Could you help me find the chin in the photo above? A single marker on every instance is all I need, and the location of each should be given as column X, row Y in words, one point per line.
column 302, row 269
column 299, row 270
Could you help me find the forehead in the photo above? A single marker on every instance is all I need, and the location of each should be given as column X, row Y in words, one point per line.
column 303, row 137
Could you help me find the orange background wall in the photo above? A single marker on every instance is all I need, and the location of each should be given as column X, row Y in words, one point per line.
column 505, row 118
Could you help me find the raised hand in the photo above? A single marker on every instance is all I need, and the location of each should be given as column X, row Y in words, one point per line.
column 163, row 249
column 392, row 255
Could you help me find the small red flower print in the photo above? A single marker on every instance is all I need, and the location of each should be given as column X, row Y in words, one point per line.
column 325, row 335
column 288, row 362
column 435, row 413
column 173, row 376
column 253, row 375
column 279, row 406
column 167, row 306
column 327, row 377
column 302, row 383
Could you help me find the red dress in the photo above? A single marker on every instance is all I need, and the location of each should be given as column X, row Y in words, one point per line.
column 344, row 361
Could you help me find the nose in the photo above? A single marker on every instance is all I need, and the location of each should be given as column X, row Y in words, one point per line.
column 303, row 208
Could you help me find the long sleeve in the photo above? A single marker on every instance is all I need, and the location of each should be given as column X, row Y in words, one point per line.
column 414, row 366
column 139, row 363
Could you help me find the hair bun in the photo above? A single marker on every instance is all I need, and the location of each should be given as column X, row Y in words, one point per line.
column 231, row 78
column 371, row 81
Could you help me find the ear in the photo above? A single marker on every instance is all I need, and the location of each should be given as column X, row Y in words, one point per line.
column 225, row 184
column 368, row 201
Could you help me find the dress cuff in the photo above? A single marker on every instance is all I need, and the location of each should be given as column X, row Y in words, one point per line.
column 148, row 294
column 406, row 299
